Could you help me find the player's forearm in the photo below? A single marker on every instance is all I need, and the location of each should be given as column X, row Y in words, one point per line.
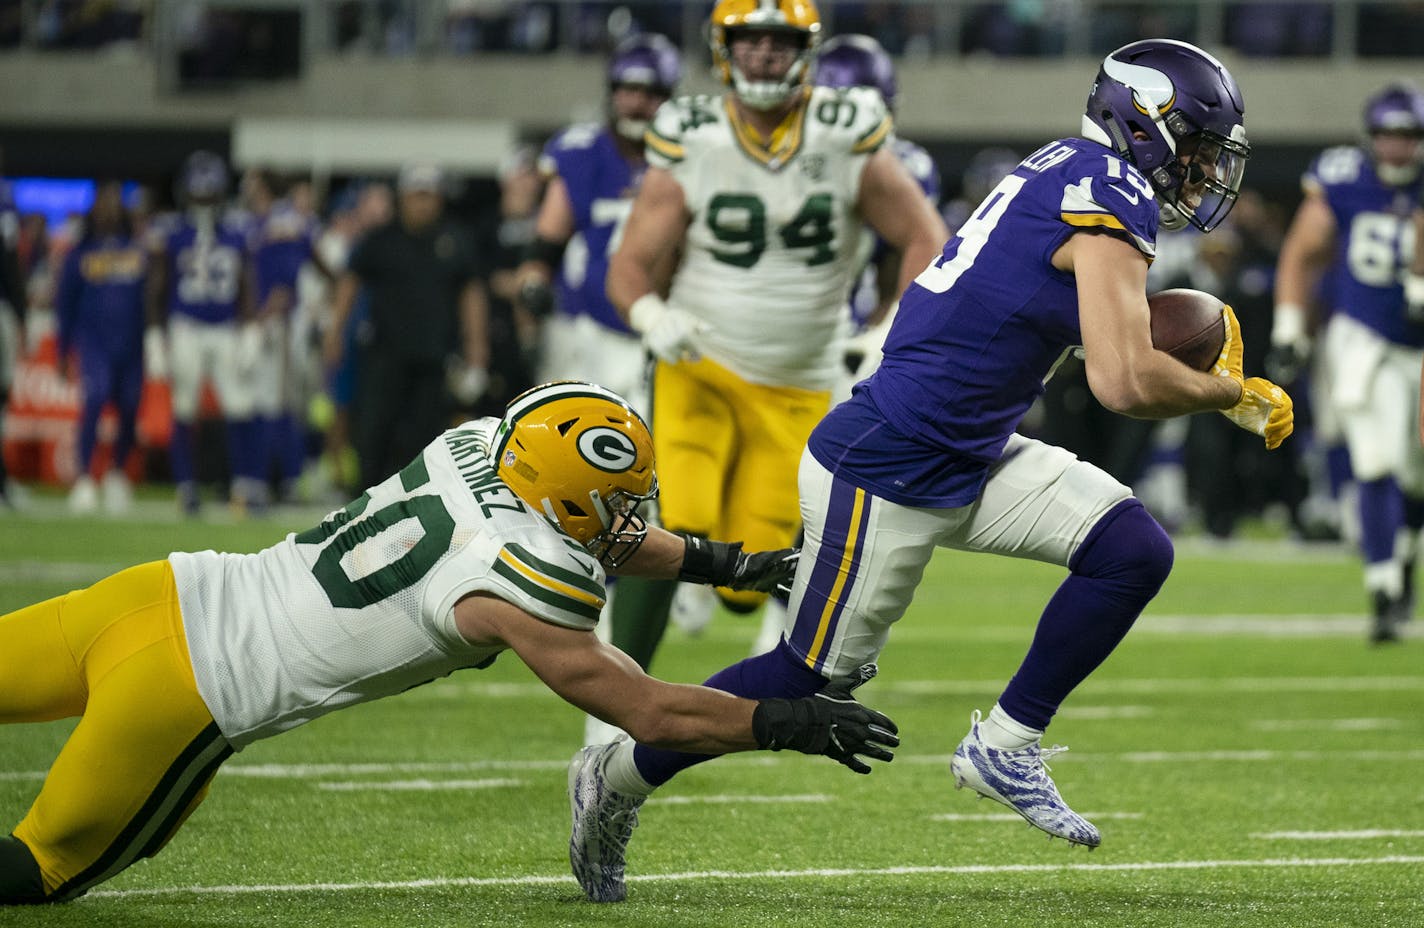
column 691, row 718
column 659, row 557
column 628, row 280
column 1157, row 386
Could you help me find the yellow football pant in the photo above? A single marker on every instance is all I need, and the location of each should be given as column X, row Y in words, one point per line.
column 727, row 456
column 146, row 747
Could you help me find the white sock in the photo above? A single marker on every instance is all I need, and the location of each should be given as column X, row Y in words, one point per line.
column 1002, row 732
column 620, row 773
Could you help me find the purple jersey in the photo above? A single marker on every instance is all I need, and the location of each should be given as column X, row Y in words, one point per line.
column 601, row 185
column 99, row 298
column 980, row 330
column 204, row 270
column 1374, row 241
column 281, row 242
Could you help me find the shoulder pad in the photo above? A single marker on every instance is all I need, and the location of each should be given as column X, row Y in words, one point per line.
column 1334, row 167
column 858, row 114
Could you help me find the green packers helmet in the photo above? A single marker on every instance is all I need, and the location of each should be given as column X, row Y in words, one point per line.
column 577, row 453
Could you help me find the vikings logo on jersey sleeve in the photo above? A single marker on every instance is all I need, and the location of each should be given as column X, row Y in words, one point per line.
column 1118, row 201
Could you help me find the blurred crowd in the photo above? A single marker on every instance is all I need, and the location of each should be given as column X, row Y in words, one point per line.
column 243, row 41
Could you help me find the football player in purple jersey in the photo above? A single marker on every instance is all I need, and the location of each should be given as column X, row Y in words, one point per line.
column 1355, row 221
column 593, row 171
column 99, row 305
column 854, row 60
column 198, row 300
column 924, row 455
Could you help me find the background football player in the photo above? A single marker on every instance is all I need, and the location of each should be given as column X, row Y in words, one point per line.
column 1356, row 220
column 593, row 172
column 854, row 60
column 198, row 303
column 764, row 190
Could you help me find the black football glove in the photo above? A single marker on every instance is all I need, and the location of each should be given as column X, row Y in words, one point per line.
column 537, row 297
column 720, row 563
column 1286, row 362
column 830, row 723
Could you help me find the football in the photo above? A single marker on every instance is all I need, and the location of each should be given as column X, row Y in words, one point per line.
column 1188, row 325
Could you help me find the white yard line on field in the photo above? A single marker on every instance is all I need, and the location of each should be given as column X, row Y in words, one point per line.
column 736, row 800
column 1324, row 724
column 825, row 873
column 1015, row 817
column 414, row 785
column 1337, row 835
column 1155, row 685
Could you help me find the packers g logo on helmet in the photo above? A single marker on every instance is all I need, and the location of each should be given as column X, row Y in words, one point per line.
column 577, row 453
column 800, row 16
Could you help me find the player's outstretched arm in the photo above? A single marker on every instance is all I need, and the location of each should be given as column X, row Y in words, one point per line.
column 896, row 208
column 668, row 555
column 605, row 682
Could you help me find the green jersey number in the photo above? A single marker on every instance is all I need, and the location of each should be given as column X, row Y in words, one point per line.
column 739, row 220
column 352, row 525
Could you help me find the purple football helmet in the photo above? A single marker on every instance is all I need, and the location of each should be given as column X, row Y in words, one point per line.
column 1186, row 104
column 646, row 60
column 857, row 61
column 204, row 178
column 1396, row 110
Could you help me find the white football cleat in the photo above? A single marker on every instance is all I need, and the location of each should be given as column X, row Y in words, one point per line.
column 1020, row 780
column 603, row 821
column 84, row 496
column 118, row 495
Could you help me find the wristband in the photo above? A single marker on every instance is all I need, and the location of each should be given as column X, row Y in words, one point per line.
column 1288, row 324
column 1414, row 289
column 645, row 311
column 707, row 561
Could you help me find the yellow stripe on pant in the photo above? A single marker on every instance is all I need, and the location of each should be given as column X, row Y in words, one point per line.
column 146, row 747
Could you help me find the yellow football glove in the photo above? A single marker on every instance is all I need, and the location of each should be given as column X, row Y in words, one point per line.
column 1264, row 408
column 1228, row 364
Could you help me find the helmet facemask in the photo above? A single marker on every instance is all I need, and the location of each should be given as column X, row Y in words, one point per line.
column 768, row 94
column 626, row 528
column 1204, row 189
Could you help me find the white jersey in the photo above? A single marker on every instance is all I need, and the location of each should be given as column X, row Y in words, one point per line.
column 770, row 253
column 362, row 605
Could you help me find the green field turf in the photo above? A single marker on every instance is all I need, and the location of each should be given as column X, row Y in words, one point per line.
column 1250, row 760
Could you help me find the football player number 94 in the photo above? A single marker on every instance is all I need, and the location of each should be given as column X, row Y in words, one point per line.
column 739, row 220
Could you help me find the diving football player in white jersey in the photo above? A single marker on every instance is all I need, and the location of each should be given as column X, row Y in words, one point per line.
column 925, row 455
column 495, row 537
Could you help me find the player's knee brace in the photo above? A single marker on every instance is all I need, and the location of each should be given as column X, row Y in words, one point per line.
column 1127, row 549
column 20, row 880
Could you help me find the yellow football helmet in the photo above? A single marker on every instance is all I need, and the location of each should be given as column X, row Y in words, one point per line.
column 799, row 16
column 577, row 453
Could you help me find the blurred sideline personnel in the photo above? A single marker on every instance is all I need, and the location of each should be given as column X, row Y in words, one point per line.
column 593, row 173
column 1356, row 220
column 429, row 325
column 496, row 536
column 854, row 60
column 764, row 190
column 282, row 240
column 99, row 307
column 199, row 312
column 924, row 455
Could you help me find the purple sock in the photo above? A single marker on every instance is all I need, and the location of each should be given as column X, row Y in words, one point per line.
column 246, row 450
column 778, row 672
column 1116, row 571
column 1381, row 515
column 180, row 452
column 1337, row 468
